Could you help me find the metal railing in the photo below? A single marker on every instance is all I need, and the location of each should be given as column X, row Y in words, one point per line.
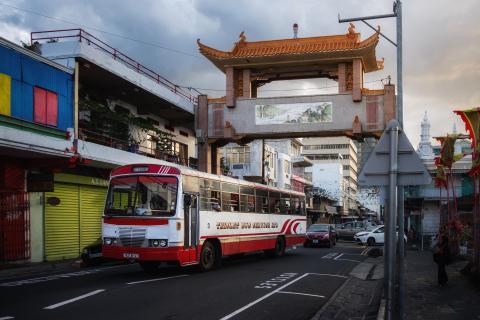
column 83, row 36
column 106, row 140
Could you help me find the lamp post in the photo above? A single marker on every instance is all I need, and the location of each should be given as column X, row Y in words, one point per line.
column 396, row 201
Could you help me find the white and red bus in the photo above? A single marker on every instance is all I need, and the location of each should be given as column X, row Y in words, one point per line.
column 169, row 213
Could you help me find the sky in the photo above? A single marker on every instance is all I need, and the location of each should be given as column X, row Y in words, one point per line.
column 441, row 55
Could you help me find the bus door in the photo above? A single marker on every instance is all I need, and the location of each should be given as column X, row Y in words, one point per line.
column 191, row 207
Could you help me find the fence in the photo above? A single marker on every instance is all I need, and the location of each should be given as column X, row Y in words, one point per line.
column 14, row 226
column 83, row 36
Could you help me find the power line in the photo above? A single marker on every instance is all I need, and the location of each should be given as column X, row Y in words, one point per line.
column 291, row 89
column 104, row 31
column 160, row 47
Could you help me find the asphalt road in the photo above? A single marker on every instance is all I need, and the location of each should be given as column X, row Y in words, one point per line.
column 295, row 286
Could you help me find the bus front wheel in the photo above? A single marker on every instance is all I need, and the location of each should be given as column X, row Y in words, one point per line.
column 208, row 256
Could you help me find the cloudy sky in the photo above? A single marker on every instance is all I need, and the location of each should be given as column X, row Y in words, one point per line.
column 441, row 41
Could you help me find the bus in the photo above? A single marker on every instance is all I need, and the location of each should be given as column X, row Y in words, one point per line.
column 168, row 213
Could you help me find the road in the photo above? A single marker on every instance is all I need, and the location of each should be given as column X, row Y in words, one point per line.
column 295, row 286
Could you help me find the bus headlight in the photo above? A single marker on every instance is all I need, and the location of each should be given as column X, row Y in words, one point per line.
column 109, row 241
column 158, row 243
column 163, row 243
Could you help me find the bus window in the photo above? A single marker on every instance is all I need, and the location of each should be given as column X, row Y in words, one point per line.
column 209, row 195
column 285, row 207
column 190, row 184
column 247, row 203
column 247, row 190
column 142, row 196
column 230, row 197
column 247, row 199
column 274, row 202
column 261, row 201
column 296, row 206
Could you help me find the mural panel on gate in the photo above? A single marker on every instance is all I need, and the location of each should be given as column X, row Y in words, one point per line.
column 315, row 112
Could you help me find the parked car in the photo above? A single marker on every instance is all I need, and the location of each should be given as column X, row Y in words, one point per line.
column 348, row 230
column 320, row 234
column 374, row 236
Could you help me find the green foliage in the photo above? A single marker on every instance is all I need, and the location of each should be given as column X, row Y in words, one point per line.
column 121, row 124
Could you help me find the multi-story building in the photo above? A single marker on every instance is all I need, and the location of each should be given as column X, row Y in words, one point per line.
column 340, row 150
column 283, row 166
column 36, row 139
column 76, row 111
column 255, row 161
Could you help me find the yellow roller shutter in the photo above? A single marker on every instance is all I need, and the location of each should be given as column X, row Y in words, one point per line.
column 62, row 222
column 92, row 201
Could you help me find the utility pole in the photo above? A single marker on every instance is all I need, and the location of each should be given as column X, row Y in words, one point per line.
column 396, row 201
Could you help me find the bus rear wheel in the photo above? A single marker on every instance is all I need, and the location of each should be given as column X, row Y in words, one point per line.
column 279, row 250
column 208, row 257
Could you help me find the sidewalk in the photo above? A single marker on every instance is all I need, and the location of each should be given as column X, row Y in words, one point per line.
column 425, row 299
column 359, row 297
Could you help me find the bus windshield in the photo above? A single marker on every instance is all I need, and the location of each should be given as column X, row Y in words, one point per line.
column 142, row 196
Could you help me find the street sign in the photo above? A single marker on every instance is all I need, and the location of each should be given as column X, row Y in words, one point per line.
column 410, row 169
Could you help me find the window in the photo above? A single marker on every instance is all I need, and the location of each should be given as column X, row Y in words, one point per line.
column 209, row 195
column 45, row 107
column 237, row 155
column 190, row 184
column 142, row 196
column 247, row 199
column 261, row 201
column 230, row 197
column 286, row 165
column 274, row 202
column 180, row 150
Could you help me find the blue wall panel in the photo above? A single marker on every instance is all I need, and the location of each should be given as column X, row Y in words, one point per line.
column 10, row 63
column 26, row 73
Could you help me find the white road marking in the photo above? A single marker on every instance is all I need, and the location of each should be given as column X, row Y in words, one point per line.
column 343, row 259
column 157, row 279
column 262, row 298
column 56, row 277
column 6, row 318
column 351, row 260
column 53, row 306
column 328, row 275
column 274, row 282
column 330, row 255
column 302, row 294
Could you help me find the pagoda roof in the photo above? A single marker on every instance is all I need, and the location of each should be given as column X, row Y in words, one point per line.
column 334, row 48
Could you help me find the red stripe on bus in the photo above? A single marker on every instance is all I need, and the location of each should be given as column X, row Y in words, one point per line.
column 135, row 221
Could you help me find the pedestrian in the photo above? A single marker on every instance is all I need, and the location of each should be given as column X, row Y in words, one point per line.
column 442, row 256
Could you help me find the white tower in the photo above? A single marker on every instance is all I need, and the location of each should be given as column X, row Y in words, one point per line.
column 458, row 146
column 425, row 150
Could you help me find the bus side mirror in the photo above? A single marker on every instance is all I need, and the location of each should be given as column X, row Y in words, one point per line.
column 187, row 200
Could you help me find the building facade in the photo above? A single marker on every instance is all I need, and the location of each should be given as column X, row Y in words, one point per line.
column 36, row 139
column 98, row 109
column 341, row 151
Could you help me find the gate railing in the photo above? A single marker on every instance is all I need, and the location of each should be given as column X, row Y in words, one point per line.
column 14, row 226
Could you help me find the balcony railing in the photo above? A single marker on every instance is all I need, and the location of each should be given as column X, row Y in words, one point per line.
column 83, row 36
column 103, row 139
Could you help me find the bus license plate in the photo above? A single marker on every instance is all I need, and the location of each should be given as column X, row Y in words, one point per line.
column 131, row 255
column 315, row 241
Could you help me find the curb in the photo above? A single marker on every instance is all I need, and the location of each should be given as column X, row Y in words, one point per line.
column 332, row 298
column 381, row 310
